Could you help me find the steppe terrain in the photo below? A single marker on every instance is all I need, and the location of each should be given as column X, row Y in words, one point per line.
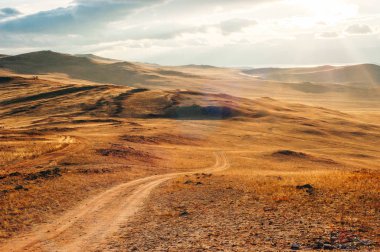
column 103, row 155
column 349, row 88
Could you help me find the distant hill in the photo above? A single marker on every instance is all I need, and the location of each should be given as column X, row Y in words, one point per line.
column 42, row 97
column 124, row 102
column 200, row 66
column 367, row 74
column 3, row 55
column 98, row 69
column 87, row 67
column 347, row 87
column 98, row 59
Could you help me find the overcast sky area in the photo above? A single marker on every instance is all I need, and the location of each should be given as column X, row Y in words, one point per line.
column 214, row 32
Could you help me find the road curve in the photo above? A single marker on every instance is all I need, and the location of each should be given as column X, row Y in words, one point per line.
column 87, row 226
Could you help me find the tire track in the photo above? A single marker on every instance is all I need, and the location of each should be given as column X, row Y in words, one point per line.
column 87, row 226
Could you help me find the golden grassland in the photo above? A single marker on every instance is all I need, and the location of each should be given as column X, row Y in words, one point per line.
column 251, row 207
column 54, row 154
column 83, row 170
column 11, row 151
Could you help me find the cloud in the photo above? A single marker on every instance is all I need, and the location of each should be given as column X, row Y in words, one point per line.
column 167, row 30
column 327, row 35
column 236, row 25
column 183, row 31
column 8, row 12
column 358, row 29
column 216, row 4
column 83, row 16
column 226, row 27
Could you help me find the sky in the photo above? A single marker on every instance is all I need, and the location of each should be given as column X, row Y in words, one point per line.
column 210, row 32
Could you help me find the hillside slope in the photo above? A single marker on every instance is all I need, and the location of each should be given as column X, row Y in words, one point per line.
column 76, row 142
column 41, row 97
column 351, row 88
column 86, row 67
column 22, row 97
column 365, row 74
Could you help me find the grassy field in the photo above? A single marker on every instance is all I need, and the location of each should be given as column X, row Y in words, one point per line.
column 299, row 175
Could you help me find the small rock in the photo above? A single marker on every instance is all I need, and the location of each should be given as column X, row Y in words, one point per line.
column 306, row 186
column 4, row 192
column 327, row 246
column 309, row 188
column 31, row 177
column 310, row 191
column 318, row 245
column 295, row 246
column 199, row 183
column 19, row 187
column 187, row 182
column 14, row 174
column 342, row 246
column 183, row 213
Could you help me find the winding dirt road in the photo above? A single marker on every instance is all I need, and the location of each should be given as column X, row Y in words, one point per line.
column 87, row 227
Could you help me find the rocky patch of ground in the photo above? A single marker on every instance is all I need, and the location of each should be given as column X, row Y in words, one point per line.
column 120, row 151
column 160, row 139
column 223, row 213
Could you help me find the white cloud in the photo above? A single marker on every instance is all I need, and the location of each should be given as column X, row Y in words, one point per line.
column 236, row 25
column 359, row 29
column 327, row 35
column 28, row 7
column 82, row 16
column 168, row 31
column 8, row 12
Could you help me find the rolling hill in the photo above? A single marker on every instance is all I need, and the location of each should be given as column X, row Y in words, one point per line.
column 348, row 88
column 94, row 147
column 87, row 67
column 365, row 74
column 42, row 97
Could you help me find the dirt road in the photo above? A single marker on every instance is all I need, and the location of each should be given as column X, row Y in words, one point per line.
column 89, row 225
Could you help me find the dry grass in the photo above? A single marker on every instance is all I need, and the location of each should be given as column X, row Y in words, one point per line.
column 84, row 171
column 45, row 198
column 16, row 151
column 254, row 204
column 258, row 212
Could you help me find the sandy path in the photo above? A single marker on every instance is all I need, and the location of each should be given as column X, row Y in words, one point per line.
column 87, row 226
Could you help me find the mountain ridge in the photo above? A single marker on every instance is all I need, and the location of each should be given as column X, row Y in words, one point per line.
column 360, row 73
column 86, row 67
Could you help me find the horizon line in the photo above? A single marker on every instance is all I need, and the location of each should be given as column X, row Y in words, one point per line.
column 243, row 66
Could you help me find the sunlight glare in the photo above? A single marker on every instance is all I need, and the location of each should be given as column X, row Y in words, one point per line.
column 326, row 11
